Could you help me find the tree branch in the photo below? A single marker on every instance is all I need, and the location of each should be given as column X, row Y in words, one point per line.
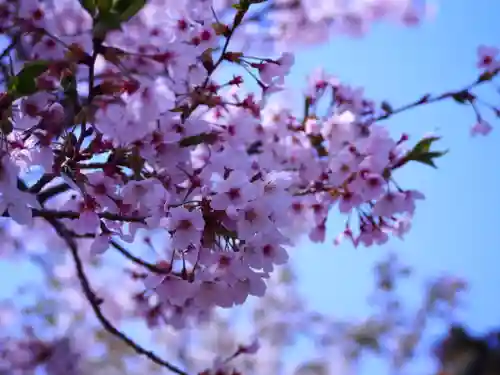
column 39, row 185
column 53, row 214
column 149, row 266
column 95, row 303
column 428, row 99
column 52, row 191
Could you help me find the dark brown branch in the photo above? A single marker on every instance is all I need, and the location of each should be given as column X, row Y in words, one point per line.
column 53, row 214
column 149, row 266
column 52, row 191
column 238, row 18
column 428, row 99
column 95, row 303
column 39, row 185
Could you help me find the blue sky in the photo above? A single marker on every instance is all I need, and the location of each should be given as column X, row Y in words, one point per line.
column 455, row 229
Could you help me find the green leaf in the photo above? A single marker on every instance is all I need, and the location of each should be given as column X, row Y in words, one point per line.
column 104, row 6
column 429, row 157
column 111, row 20
column 426, row 161
column 106, row 22
column 126, row 9
column 89, row 6
column 421, row 152
column 33, row 69
column 24, row 83
column 12, row 85
column 425, row 144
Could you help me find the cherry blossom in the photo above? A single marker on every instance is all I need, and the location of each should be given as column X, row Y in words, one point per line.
column 119, row 127
column 488, row 58
column 481, row 128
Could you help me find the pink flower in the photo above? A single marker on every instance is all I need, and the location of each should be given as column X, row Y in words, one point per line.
column 100, row 244
column 88, row 222
column 17, row 208
column 488, row 58
column 253, row 285
column 481, row 128
column 185, row 226
column 275, row 72
column 338, row 128
column 348, row 201
column 103, row 189
column 175, row 290
column 390, row 204
column 411, row 197
column 252, row 219
column 215, row 293
column 372, row 186
column 270, row 249
column 234, row 191
column 318, row 234
column 402, row 226
column 172, row 147
column 370, row 234
column 8, row 177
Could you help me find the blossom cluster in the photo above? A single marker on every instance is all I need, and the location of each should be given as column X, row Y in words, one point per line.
column 151, row 141
column 115, row 122
column 305, row 22
column 489, row 64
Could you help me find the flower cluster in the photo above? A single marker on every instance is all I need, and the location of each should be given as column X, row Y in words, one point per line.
column 114, row 122
column 489, row 65
column 304, row 22
column 139, row 136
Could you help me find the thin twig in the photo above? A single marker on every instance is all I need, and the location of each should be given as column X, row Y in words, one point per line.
column 95, row 303
column 428, row 99
column 52, row 191
column 149, row 266
column 54, row 214
column 39, row 185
